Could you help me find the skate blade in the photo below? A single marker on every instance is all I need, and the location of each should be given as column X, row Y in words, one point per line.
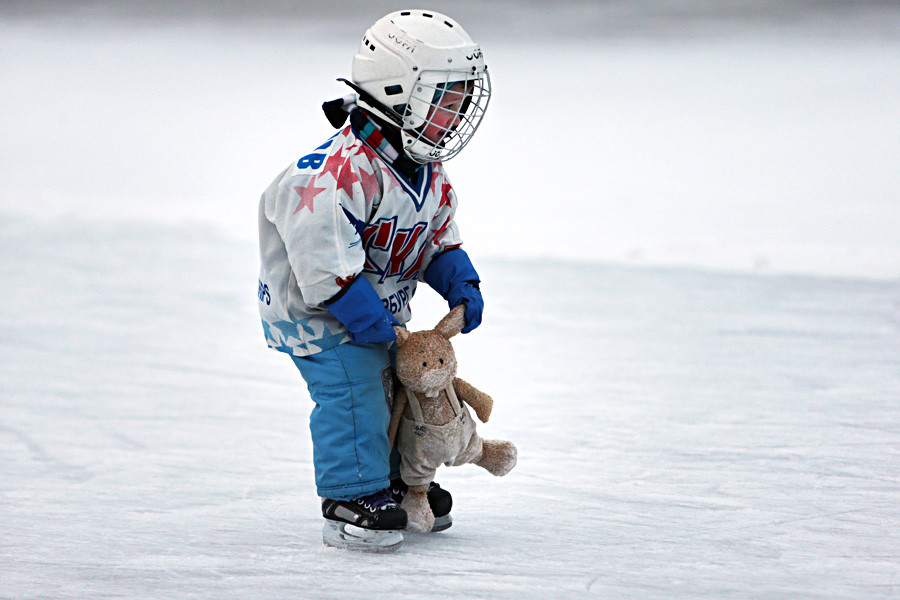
column 442, row 523
column 350, row 537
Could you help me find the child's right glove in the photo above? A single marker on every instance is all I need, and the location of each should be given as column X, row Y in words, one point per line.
column 361, row 311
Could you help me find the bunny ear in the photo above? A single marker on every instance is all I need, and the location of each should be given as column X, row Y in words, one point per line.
column 453, row 323
column 402, row 335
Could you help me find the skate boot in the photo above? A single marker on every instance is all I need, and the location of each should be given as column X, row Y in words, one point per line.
column 439, row 500
column 370, row 523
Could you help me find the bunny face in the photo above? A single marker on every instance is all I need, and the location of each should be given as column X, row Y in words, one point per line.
column 426, row 363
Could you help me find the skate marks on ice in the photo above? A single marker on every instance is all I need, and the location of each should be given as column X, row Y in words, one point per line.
column 681, row 433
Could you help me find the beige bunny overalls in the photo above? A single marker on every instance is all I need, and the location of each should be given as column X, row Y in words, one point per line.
column 424, row 447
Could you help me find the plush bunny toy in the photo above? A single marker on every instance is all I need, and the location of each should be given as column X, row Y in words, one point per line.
column 431, row 424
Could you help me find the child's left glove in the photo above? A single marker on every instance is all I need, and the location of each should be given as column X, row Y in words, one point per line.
column 452, row 275
column 469, row 294
column 361, row 311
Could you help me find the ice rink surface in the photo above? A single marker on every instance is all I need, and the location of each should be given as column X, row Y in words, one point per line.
column 692, row 330
column 682, row 434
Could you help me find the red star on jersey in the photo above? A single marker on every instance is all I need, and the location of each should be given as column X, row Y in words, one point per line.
column 333, row 165
column 434, row 182
column 307, row 194
column 369, row 182
column 363, row 149
column 346, row 178
column 390, row 182
column 437, row 233
column 446, row 200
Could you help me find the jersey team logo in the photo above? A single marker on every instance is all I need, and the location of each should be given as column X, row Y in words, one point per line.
column 402, row 248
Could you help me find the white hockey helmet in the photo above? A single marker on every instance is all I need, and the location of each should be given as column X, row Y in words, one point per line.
column 412, row 60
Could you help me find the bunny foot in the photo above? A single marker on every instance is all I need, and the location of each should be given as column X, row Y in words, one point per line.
column 498, row 457
column 418, row 511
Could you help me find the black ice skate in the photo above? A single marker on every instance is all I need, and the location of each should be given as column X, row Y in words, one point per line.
column 439, row 500
column 370, row 523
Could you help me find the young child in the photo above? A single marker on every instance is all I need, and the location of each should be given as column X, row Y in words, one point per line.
column 345, row 234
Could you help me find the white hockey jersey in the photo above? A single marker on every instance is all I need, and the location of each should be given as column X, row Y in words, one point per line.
column 341, row 211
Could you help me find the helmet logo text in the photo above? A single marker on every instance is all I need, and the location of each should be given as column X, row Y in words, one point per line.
column 474, row 55
column 402, row 43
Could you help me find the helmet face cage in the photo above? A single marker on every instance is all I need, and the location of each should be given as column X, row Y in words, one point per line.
column 443, row 111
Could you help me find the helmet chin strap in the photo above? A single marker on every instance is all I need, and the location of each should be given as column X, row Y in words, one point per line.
column 393, row 116
column 371, row 101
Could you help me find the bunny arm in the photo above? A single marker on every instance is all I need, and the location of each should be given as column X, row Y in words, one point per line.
column 478, row 400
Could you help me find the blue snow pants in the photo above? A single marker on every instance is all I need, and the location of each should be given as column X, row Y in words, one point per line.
column 351, row 387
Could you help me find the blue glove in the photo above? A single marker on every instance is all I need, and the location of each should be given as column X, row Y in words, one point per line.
column 467, row 293
column 361, row 311
column 452, row 275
